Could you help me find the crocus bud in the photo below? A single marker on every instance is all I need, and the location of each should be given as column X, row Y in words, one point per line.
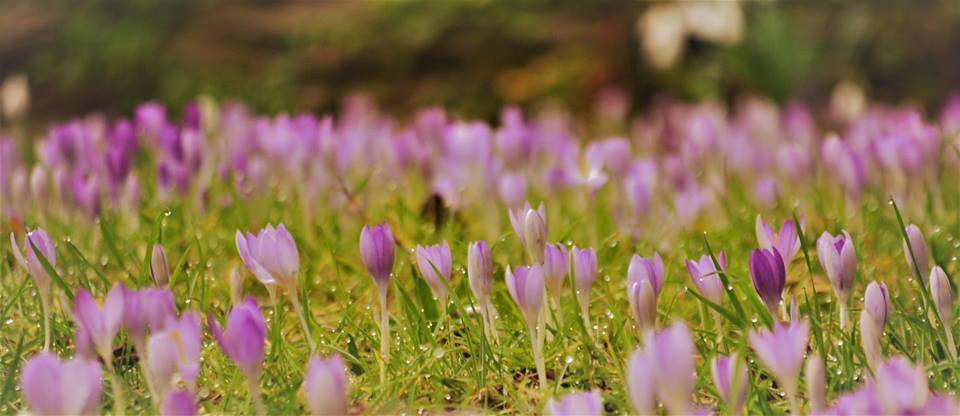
column 480, row 270
column 271, row 255
column 584, row 271
column 816, row 383
column 576, row 404
column 159, row 269
column 942, row 294
column 781, row 351
column 705, row 276
column 556, row 263
column 325, row 386
column 649, row 269
column 525, row 284
column 920, row 251
column 435, row 262
column 726, row 369
column 175, row 351
column 672, row 353
column 876, row 303
column 643, row 303
column 839, row 261
column 640, row 382
column 786, row 241
column 31, row 262
column 377, row 251
column 769, row 276
column 100, row 324
column 54, row 387
column 535, row 235
column 870, row 335
column 244, row 337
column 179, row 403
column 518, row 217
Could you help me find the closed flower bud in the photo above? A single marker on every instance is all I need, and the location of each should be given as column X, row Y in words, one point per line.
column 942, row 294
column 377, row 252
column 525, row 284
column 816, row 383
column 535, row 235
column 435, row 262
column 556, row 263
column 480, row 270
column 876, row 303
column 325, row 386
column 643, row 303
column 584, row 270
column 159, row 269
column 769, row 276
column 672, row 353
column 920, row 251
column 641, row 385
column 649, row 269
column 839, row 261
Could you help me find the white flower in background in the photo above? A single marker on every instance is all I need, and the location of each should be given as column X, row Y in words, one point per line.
column 15, row 95
column 663, row 28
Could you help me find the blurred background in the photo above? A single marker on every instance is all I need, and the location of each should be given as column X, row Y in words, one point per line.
column 64, row 58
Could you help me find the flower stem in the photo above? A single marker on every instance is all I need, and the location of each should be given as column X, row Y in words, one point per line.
column 951, row 345
column 843, row 314
column 292, row 294
column 384, row 336
column 538, row 355
column 585, row 313
column 254, row 384
column 45, row 305
column 140, row 345
column 119, row 407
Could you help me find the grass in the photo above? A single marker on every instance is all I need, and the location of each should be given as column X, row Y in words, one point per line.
column 441, row 361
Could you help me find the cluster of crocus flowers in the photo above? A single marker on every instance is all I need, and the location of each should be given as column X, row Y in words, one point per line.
column 272, row 256
column 839, row 261
column 898, row 387
column 644, row 281
column 377, row 252
column 38, row 244
column 664, row 370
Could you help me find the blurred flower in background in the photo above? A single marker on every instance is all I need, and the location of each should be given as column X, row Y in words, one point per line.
column 15, row 96
column 663, row 28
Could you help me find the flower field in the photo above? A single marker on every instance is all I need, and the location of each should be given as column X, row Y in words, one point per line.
column 689, row 258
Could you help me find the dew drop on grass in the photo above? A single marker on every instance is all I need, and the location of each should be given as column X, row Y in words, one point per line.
column 782, row 394
column 569, row 359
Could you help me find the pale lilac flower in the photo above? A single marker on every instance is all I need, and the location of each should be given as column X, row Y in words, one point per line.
column 641, row 385
column 54, row 387
column 786, row 241
column 179, row 403
column 271, row 255
column 556, row 263
column 243, row 337
column 480, row 270
column 175, row 350
column 672, row 353
column 531, row 227
column 816, row 383
column 576, row 404
column 769, row 276
column 325, row 385
column 526, row 287
column 942, row 294
column 642, row 299
column 876, row 303
column 726, row 369
column 159, row 269
column 920, row 252
column 901, row 386
column 781, row 352
column 31, row 262
column 705, row 276
column 513, row 189
column 146, row 309
column 377, row 252
column 584, row 272
column 100, row 323
column 839, row 260
column 435, row 262
column 648, row 269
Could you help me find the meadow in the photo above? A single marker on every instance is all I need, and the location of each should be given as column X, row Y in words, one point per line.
column 162, row 204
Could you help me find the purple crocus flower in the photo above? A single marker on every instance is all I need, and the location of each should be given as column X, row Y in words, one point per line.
column 179, row 403
column 531, row 227
column 377, row 251
column 641, row 384
column 816, row 383
column 100, row 324
column 175, row 350
column 435, row 262
column 159, row 268
column 786, row 241
column 556, row 263
column 769, row 276
column 920, row 251
column 31, row 262
column 244, row 337
column 54, row 387
column 726, row 369
column 584, row 274
column 576, row 404
column 480, row 270
column 781, row 352
column 512, row 188
column 705, row 276
column 876, row 303
column 648, row 269
column 643, row 303
column 526, row 287
column 839, row 261
column 271, row 255
column 146, row 309
column 942, row 293
column 325, row 385
column 901, row 386
column 672, row 354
